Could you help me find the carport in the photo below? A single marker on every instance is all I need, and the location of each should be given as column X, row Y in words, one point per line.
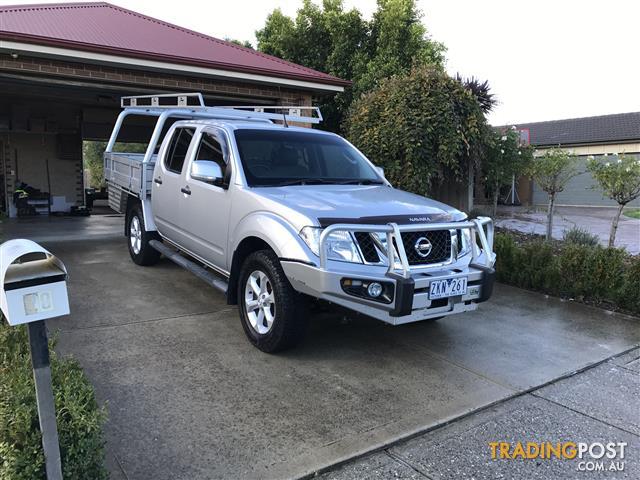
column 64, row 67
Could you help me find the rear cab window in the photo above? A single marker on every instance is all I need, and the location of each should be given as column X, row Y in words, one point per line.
column 178, row 149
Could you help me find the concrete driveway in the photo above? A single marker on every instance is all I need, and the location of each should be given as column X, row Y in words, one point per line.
column 189, row 398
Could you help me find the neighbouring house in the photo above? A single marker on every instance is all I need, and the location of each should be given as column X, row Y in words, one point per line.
column 588, row 136
column 64, row 67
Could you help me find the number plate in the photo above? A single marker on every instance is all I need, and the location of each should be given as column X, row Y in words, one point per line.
column 447, row 288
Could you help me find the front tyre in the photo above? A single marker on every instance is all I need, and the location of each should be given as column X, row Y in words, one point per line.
column 138, row 239
column 271, row 311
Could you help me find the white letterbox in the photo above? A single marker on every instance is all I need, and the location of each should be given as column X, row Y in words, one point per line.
column 33, row 283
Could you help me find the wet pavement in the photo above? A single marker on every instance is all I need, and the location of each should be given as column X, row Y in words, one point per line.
column 189, row 397
column 63, row 228
column 597, row 221
column 600, row 404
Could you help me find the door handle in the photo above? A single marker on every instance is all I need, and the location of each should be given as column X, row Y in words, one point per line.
column 186, row 190
column 158, row 180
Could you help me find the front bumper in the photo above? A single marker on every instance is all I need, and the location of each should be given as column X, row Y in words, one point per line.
column 411, row 286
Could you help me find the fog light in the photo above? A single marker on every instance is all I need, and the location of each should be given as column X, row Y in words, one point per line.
column 374, row 289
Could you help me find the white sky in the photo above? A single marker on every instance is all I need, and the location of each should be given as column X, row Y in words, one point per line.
column 544, row 59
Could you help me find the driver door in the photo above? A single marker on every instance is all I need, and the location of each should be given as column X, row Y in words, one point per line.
column 205, row 211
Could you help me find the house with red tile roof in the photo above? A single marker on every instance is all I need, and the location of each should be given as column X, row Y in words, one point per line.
column 64, row 67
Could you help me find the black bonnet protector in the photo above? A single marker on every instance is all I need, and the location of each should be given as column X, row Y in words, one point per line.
column 399, row 219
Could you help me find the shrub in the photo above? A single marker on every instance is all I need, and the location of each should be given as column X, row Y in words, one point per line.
column 593, row 274
column 629, row 293
column 581, row 236
column 79, row 417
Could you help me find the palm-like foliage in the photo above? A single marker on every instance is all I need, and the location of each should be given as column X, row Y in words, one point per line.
column 480, row 90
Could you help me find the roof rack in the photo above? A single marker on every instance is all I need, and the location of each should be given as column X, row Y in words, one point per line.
column 194, row 102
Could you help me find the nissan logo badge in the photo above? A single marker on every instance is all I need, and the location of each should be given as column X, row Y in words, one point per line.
column 423, row 247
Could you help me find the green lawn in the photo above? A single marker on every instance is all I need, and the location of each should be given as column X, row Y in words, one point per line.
column 633, row 213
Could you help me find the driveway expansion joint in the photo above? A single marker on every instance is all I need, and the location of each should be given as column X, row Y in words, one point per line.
column 400, row 459
column 148, row 320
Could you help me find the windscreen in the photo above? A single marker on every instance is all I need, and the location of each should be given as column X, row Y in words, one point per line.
column 285, row 157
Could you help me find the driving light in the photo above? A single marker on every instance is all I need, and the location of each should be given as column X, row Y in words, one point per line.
column 340, row 245
column 374, row 290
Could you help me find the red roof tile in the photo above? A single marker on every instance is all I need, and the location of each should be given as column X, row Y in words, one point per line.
column 105, row 28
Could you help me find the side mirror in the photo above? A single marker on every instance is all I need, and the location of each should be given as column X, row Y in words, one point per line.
column 33, row 283
column 207, row 171
column 380, row 171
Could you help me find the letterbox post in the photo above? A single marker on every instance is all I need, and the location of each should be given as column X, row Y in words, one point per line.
column 32, row 289
column 44, row 397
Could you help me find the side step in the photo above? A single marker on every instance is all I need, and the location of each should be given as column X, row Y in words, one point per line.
column 202, row 273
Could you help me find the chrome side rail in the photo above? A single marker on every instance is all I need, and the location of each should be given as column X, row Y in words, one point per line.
column 394, row 231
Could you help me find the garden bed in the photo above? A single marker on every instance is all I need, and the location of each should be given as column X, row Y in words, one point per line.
column 605, row 277
column 78, row 415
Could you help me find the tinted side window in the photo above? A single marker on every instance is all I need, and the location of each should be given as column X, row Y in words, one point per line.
column 211, row 150
column 177, row 151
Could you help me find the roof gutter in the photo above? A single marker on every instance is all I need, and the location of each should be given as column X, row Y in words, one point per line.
column 135, row 60
column 586, row 144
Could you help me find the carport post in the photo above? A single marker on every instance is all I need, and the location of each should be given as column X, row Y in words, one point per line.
column 44, row 396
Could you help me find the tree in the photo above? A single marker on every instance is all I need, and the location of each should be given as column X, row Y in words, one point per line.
column 480, row 90
column 342, row 43
column 505, row 159
column 620, row 181
column 93, row 154
column 552, row 171
column 245, row 43
column 398, row 41
column 420, row 127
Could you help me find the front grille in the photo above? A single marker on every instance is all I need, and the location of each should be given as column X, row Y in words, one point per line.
column 440, row 246
column 367, row 247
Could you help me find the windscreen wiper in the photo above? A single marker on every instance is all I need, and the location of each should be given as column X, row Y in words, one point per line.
column 307, row 181
column 327, row 181
column 361, row 181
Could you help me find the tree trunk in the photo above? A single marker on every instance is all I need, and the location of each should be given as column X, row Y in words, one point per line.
column 496, row 194
column 552, row 199
column 614, row 225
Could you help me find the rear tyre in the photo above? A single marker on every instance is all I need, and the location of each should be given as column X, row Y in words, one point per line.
column 138, row 239
column 272, row 313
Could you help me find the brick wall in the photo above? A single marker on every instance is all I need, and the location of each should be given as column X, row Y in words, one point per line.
column 150, row 80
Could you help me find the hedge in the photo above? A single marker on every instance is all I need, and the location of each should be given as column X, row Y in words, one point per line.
column 79, row 417
column 591, row 274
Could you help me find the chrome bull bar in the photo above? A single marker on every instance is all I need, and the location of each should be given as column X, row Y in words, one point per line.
column 394, row 231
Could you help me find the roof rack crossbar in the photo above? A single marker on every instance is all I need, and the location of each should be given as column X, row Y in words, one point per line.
column 294, row 113
column 164, row 100
column 194, row 102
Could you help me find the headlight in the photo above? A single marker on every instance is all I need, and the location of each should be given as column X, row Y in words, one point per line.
column 340, row 245
column 466, row 236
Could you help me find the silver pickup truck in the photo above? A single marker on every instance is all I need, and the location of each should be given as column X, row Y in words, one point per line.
column 273, row 215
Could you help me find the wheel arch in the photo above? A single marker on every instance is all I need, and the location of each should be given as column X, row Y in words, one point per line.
column 132, row 202
column 245, row 248
column 259, row 231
